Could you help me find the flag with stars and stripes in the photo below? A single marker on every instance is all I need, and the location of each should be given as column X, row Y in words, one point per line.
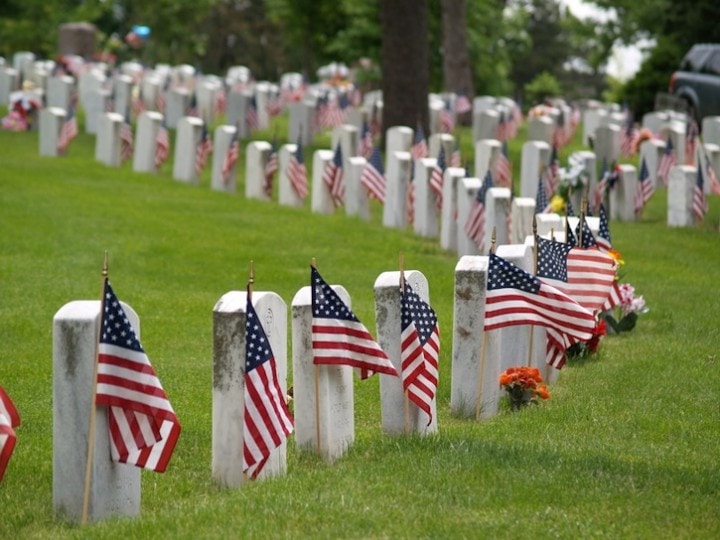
column 202, row 151
column 475, row 225
column 437, row 176
column 365, row 144
column 419, row 148
column 373, row 176
column 699, row 201
column 9, row 419
column 552, row 172
column 231, row 157
column 515, row 297
column 419, row 349
column 162, row 145
column 127, row 143
column 296, row 171
column 604, row 240
column 333, row 177
column 338, row 336
column 584, row 236
column 542, row 205
column 271, row 167
column 644, row 189
column 68, row 131
column 667, row 161
column 503, row 168
column 711, row 176
column 143, row 426
column 267, row 421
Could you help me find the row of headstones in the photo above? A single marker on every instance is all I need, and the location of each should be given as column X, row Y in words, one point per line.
column 323, row 395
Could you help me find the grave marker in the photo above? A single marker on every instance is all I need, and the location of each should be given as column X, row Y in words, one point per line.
column 681, row 182
column 535, row 157
column 622, row 196
column 108, row 142
column 425, row 223
column 228, row 394
column 467, row 190
column 607, row 143
column 114, row 487
column 449, row 211
column 148, row 125
column 220, row 179
column 323, row 394
column 189, row 133
column 256, row 156
column 395, row 420
column 321, row 201
column 356, row 195
column 51, row 121
column 398, row 172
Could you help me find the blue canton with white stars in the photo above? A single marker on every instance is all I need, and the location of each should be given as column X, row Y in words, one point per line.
column 257, row 346
column 325, row 302
column 503, row 275
column 415, row 310
column 116, row 327
column 552, row 259
column 604, row 230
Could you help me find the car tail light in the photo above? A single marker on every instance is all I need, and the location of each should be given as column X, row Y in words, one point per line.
column 671, row 85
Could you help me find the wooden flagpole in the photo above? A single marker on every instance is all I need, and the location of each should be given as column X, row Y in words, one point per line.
column 250, row 286
column 483, row 350
column 535, row 268
column 405, row 392
column 317, row 385
column 91, row 429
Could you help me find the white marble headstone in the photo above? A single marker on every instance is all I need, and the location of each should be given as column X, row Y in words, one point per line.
column 535, row 156
column 189, row 132
column 256, row 156
column 148, row 125
column 449, row 210
column 321, row 201
column 228, row 390
column 107, row 143
column 681, row 182
column 397, row 175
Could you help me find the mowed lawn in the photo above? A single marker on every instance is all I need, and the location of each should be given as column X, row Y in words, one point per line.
column 628, row 446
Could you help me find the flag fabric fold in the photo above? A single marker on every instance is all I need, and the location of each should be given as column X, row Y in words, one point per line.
column 271, row 167
column 231, row 157
column 68, row 131
column 419, row 349
column 143, row 426
column 699, row 201
column 644, row 188
column 9, row 419
column 515, row 297
column 162, row 145
column 297, row 173
column 373, row 176
column 475, row 224
column 333, row 177
column 267, row 421
column 338, row 336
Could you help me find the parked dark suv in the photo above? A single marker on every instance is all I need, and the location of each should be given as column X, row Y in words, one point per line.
column 697, row 82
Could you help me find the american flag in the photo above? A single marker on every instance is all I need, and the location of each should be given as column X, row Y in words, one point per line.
column 419, row 148
column 271, row 167
column 202, row 151
column 615, row 297
column 231, row 157
column 437, row 176
column 251, row 115
column 699, row 201
column 667, row 161
column 419, row 349
column 143, row 425
column 584, row 274
column 267, row 420
column 333, row 177
column 462, row 103
column 446, row 117
column 296, row 172
column 162, row 145
column 552, row 172
column 192, row 109
column 542, row 205
column 692, row 137
column 138, row 103
column 515, row 297
column 338, row 336
column 275, row 105
column 9, row 419
column 712, row 177
column 570, row 238
column 160, row 96
column 220, row 101
column 475, row 225
column 373, row 176
column 68, row 131
column 503, row 168
column 365, row 144
column 375, row 120
column 601, row 187
column 560, row 134
column 455, row 157
column 604, row 241
column 501, row 131
column 127, row 142
column 629, row 136
column 645, row 189
column 584, row 235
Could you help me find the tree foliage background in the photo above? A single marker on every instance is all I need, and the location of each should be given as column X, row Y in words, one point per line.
column 510, row 43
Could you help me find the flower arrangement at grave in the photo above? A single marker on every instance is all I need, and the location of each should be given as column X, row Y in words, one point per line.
column 583, row 349
column 623, row 316
column 574, row 177
column 523, row 386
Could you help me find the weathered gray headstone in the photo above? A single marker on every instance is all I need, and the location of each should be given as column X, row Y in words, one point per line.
column 148, row 125
column 114, row 488
column 681, row 182
column 474, row 388
column 395, row 420
column 228, row 395
column 397, row 176
column 323, row 394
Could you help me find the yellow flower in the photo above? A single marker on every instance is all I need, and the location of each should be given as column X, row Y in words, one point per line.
column 615, row 254
column 557, row 203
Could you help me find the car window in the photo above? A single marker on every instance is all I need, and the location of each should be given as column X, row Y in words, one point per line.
column 713, row 64
column 695, row 58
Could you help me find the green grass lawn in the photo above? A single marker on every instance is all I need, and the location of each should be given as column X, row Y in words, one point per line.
column 628, row 446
